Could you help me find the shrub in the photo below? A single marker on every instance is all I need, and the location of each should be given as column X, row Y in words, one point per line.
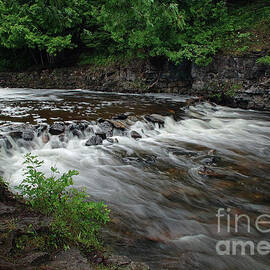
column 264, row 60
column 75, row 218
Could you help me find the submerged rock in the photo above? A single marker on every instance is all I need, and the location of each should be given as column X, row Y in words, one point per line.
column 28, row 135
column 118, row 124
column 57, row 128
column 94, row 140
column 106, row 127
column 120, row 117
column 16, row 134
column 135, row 135
column 155, row 119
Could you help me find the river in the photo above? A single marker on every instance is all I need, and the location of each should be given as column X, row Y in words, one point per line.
column 165, row 189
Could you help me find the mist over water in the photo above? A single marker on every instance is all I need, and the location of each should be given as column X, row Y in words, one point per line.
column 163, row 203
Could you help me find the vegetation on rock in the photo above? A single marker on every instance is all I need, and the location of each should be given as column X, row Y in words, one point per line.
column 74, row 217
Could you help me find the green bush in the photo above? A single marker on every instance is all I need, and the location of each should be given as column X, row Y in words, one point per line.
column 74, row 217
column 264, row 60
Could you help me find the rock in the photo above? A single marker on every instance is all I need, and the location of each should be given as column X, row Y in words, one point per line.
column 40, row 129
column 77, row 133
column 101, row 134
column 28, row 135
column 111, row 140
column 15, row 134
column 70, row 260
column 57, row 128
column 38, row 223
column 132, row 118
column 120, row 117
column 94, row 140
column 207, row 171
column 105, row 127
column 63, row 138
column 118, row 125
column 138, row 266
column 155, row 118
column 5, row 210
column 100, row 120
column 35, row 258
column 135, row 135
column 118, row 260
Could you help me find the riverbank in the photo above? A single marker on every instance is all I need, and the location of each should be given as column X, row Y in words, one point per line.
column 236, row 81
column 24, row 245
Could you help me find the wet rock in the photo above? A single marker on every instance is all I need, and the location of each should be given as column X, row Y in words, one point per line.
column 35, row 258
column 100, row 120
column 15, row 134
column 135, row 135
column 57, row 128
column 118, row 260
column 106, row 127
column 118, row 125
column 28, row 135
column 94, row 140
column 77, row 133
column 210, row 160
column 206, row 171
column 101, row 134
column 5, row 210
column 120, row 117
column 155, row 119
column 40, row 129
column 132, row 118
column 93, row 123
column 112, row 140
column 63, row 138
column 70, row 260
column 138, row 266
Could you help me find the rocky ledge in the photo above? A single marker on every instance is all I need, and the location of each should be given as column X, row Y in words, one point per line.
column 237, row 81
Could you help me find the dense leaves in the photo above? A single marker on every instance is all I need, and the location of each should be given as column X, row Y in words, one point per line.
column 75, row 218
column 186, row 29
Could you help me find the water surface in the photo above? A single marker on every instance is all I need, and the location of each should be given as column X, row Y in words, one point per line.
column 163, row 207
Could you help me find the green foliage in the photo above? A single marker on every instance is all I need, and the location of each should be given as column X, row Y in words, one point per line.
column 74, row 216
column 250, row 27
column 188, row 29
column 264, row 60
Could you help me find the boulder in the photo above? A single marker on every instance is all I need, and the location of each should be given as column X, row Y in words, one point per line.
column 106, row 127
column 135, row 135
column 57, row 128
column 35, row 258
column 155, row 119
column 94, row 140
column 28, row 135
column 120, row 117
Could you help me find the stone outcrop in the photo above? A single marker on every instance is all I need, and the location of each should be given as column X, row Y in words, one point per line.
column 237, row 81
column 234, row 81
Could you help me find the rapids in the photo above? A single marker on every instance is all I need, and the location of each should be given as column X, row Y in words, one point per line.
column 164, row 205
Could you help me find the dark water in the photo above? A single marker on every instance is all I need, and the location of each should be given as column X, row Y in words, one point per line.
column 164, row 202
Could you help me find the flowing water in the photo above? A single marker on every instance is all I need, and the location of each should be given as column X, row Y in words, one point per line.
column 164, row 201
